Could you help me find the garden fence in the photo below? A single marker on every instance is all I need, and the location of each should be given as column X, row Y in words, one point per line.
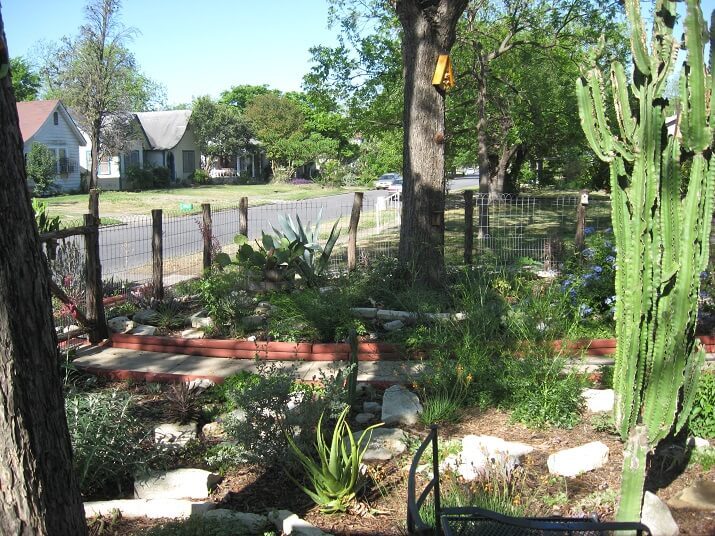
column 165, row 247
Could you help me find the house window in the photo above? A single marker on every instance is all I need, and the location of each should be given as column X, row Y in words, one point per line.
column 189, row 161
column 105, row 166
column 134, row 158
column 56, row 118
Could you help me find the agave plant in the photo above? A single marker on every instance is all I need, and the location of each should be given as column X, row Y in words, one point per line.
column 313, row 261
column 335, row 478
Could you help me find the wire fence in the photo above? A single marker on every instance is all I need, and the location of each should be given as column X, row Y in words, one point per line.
column 506, row 229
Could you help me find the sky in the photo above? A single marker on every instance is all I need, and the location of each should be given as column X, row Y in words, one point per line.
column 192, row 47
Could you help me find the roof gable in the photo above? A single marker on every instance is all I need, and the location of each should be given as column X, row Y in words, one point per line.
column 165, row 129
column 34, row 114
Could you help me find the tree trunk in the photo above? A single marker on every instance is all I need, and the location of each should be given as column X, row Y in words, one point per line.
column 428, row 31
column 94, row 136
column 39, row 494
column 480, row 104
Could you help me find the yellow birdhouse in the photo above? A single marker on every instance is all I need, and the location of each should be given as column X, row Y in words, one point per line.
column 443, row 73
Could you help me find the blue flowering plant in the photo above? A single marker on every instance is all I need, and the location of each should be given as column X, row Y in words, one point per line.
column 588, row 279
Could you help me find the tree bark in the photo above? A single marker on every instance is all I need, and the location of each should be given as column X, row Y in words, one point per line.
column 428, row 31
column 39, row 494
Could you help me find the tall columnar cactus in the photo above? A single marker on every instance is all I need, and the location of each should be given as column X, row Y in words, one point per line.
column 662, row 181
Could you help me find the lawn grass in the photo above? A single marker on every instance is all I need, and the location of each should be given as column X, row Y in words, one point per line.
column 116, row 204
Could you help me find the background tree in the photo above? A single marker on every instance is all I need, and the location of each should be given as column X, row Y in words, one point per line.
column 39, row 493
column 279, row 125
column 25, row 81
column 41, row 166
column 241, row 96
column 429, row 29
column 96, row 74
column 219, row 129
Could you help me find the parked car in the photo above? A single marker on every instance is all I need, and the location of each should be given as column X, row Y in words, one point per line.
column 396, row 187
column 386, row 180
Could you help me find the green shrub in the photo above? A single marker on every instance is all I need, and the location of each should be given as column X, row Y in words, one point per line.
column 541, row 395
column 223, row 457
column 267, row 416
column 702, row 417
column 221, row 293
column 138, row 178
column 309, row 315
column 45, row 222
column 200, row 176
column 198, row 525
column 109, row 442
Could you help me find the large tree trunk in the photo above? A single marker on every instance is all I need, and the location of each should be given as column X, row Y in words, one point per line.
column 428, row 31
column 39, row 494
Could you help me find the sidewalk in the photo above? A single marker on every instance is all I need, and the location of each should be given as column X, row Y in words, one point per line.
column 120, row 363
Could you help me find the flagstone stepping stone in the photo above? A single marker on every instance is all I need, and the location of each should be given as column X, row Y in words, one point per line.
column 175, row 434
column 700, row 496
column 252, row 523
column 599, row 400
column 385, row 443
column 152, row 509
column 144, row 316
column 143, row 329
column 121, row 324
column 176, row 484
column 572, row 462
column 289, row 523
column 400, row 406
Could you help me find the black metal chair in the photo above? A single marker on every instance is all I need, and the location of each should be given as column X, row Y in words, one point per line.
column 473, row 520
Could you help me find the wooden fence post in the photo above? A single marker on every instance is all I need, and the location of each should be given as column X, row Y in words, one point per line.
column 95, row 291
column 243, row 216
column 94, row 202
column 157, row 254
column 581, row 203
column 468, row 225
column 207, row 233
column 352, row 234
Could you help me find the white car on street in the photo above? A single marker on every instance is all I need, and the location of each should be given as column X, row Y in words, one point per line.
column 387, row 180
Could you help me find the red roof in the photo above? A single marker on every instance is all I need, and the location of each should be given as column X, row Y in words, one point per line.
column 33, row 115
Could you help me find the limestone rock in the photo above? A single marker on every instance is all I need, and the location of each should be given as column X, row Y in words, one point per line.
column 371, row 407
column 193, row 333
column 385, row 443
column 153, row 509
column 400, row 406
column 657, row 517
column 120, row 324
column 251, row 523
column 599, row 400
column 253, row 321
column 700, row 496
column 572, row 462
column 364, row 418
column 386, row 314
column 175, row 434
column 143, row 329
column 364, row 312
column 698, row 443
column 290, row 523
column 200, row 320
column 213, row 430
column 144, row 316
column 479, row 453
column 176, row 484
column 394, row 325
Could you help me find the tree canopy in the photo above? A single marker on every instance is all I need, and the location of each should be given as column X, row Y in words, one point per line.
column 220, row 129
column 25, row 80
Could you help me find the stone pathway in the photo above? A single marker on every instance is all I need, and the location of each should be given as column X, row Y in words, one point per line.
column 120, row 363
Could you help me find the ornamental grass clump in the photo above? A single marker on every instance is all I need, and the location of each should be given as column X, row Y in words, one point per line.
column 335, row 478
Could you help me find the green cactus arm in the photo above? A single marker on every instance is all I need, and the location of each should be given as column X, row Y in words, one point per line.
column 665, row 47
column 690, row 385
column 626, row 123
column 711, row 81
column 588, row 124
column 608, row 140
column 699, row 136
column 641, row 57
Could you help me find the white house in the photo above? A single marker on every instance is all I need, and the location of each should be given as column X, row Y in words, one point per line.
column 49, row 123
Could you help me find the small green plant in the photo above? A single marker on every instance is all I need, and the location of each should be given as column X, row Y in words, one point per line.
column 702, row 418
column 223, row 457
column 45, row 222
column 603, row 422
column 335, row 479
column 109, row 442
column 169, row 314
column 221, row 293
column 444, row 405
column 200, row 176
column 705, row 458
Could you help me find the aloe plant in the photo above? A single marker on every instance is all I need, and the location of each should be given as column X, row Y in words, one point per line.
column 662, row 196
column 335, row 478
